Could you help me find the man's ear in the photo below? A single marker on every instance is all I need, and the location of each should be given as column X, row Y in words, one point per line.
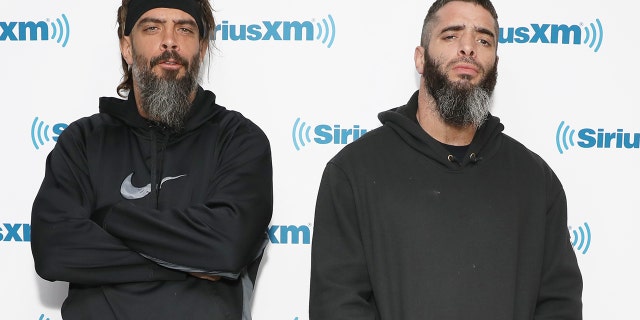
column 418, row 59
column 126, row 49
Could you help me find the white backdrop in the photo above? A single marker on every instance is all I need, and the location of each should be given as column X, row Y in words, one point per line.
column 566, row 78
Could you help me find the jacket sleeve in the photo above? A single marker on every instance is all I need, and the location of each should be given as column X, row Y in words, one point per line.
column 340, row 287
column 220, row 236
column 66, row 245
column 560, row 295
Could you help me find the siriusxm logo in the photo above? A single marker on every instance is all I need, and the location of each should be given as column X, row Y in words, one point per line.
column 17, row 232
column 36, row 30
column 323, row 134
column 324, row 31
column 581, row 238
column 40, row 132
column 289, row 234
column 595, row 138
column 555, row 34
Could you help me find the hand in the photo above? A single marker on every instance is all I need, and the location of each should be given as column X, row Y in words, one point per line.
column 205, row 276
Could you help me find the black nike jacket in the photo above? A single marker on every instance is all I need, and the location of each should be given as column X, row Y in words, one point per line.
column 128, row 210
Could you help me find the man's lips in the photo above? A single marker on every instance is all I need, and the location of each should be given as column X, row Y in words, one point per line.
column 169, row 64
column 465, row 69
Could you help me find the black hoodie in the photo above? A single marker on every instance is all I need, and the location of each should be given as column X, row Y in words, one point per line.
column 403, row 231
column 127, row 209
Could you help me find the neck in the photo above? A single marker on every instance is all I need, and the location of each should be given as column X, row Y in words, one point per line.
column 432, row 123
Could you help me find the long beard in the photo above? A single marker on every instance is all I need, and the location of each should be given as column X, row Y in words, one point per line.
column 460, row 103
column 165, row 99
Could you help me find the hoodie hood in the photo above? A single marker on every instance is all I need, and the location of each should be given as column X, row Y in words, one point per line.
column 203, row 108
column 403, row 121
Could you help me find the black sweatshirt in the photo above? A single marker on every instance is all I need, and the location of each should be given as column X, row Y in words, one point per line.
column 128, row 209
column 402, row 231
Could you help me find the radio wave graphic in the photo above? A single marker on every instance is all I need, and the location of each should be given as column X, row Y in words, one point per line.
column 329, row 31
column 61, row 30
column 564, row 135
column 300, row 134
column 39, row 130
column 581, row 238
column 42, row 317
column 594, row 35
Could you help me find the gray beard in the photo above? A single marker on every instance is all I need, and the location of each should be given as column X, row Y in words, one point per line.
column 463, row 107
column 166, row 99
column 459, row 104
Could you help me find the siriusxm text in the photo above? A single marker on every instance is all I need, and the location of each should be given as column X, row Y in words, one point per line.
column 57, row 130
column 21, row 31
column 266, row 30
column 18, row 232
column 542, row 33
column 590, row 138
column 325, row 134
column 289, row 234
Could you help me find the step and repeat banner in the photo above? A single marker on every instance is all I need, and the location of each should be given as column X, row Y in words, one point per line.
column 314, row 74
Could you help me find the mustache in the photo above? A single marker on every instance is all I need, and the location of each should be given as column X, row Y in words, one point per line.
column 169, row 55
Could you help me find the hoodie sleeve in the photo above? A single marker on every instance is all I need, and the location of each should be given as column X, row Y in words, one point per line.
column 66, row 245
column 340, row 287
column 220, row 236
column 560, row 294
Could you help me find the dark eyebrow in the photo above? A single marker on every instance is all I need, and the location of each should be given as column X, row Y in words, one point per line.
column 149, row 19
column 156, row 20
column 187, row 22
column 461, row 27
column 485, row 31
column 452, row 28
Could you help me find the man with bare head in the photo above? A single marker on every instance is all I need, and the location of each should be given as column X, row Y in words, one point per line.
column 438, row 214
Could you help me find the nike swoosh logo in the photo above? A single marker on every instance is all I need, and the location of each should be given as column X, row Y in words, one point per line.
column 131, row 192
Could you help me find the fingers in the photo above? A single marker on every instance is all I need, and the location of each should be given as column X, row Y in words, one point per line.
column 205, row 276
